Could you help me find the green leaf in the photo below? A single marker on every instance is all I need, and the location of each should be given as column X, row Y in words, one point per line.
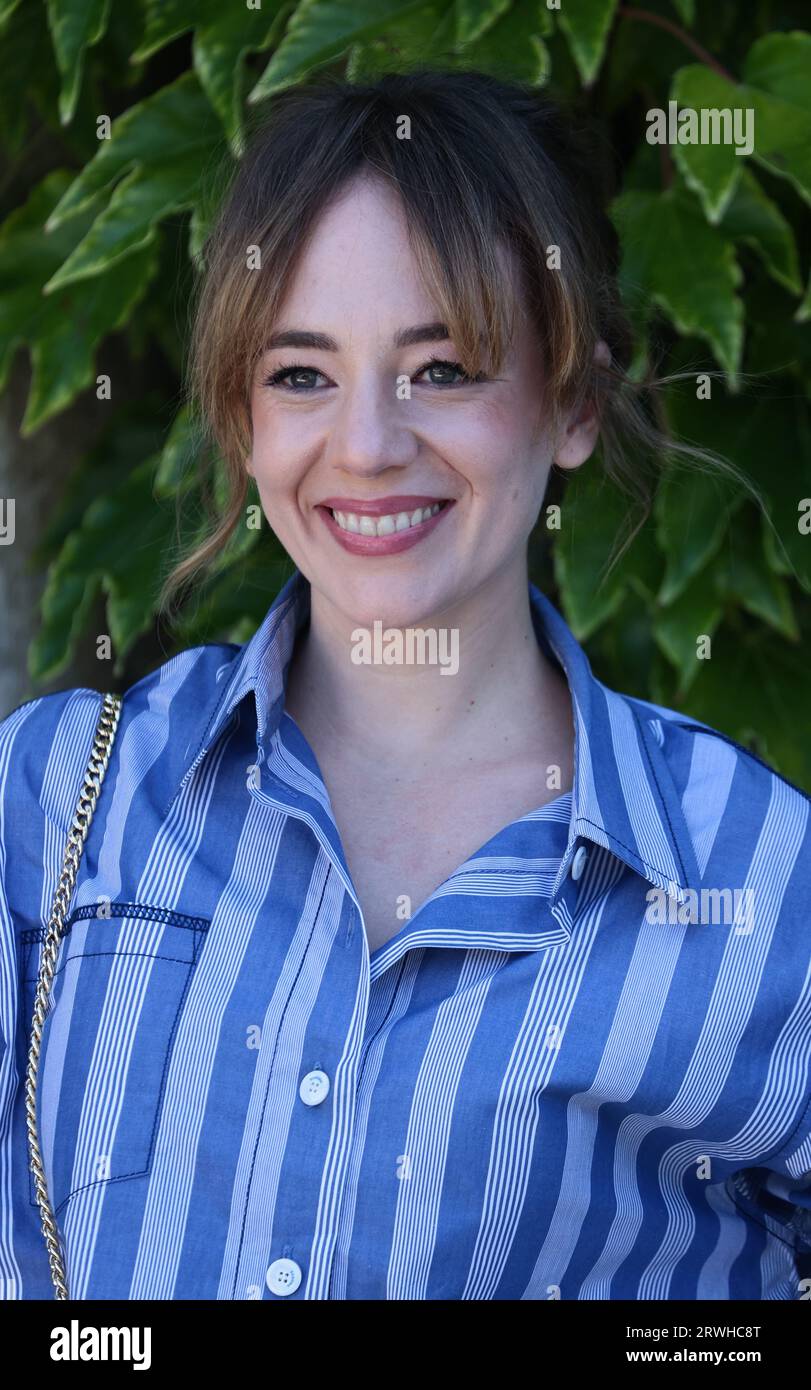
column 803, row 313
column 623, row 652
column 161, row 147
column 686, row 10
column 7, row 8
column 777, row 340
column 773, row 550
column 756, row 689
column 223, row 36
column 231, row 603
column 778, row 63
column 182, row 443
column 426, row 37
column 63, row 330
column 692, row 510
column 475, row 17
column 186, row 459
column 712, row 170
column 776, row 93
column 777, row 82
column 778, row 457
column 118, row 547
column 744, row 576
column 768, row 436
column 26, row 71
column 75, row 25
column 672, row 258
column 203, row 215
column 592, row 515
column 586, row 25
column 220, row 47
column 320, row 30
column 131, row 434
column 695, row 613
column 166, row 20
column 157, row 129
column 64, row 610
column 754, row 218
column 514, row 45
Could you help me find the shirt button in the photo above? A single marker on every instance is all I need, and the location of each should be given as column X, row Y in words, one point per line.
column 579, row 861
column 283, row 1277
column 314, row 1087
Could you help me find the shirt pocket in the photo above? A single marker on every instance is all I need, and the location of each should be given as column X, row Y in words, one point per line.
column 116, row 1000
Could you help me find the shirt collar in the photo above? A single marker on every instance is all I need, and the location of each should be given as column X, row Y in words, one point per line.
column 623, row 794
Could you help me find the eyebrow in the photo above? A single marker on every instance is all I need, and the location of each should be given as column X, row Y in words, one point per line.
column 321, row 342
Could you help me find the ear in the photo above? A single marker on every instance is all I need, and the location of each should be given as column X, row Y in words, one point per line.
column 579, row 436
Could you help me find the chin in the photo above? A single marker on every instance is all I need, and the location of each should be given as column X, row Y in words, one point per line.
column 396, row 601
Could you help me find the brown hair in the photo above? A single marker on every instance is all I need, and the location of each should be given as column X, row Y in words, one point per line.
column 487, row 163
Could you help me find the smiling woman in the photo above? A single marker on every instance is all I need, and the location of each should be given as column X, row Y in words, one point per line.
column 381, row 984
column 405, row 487
column 493, row 203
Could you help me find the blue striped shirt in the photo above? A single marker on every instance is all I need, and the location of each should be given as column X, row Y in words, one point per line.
column 580, row 1070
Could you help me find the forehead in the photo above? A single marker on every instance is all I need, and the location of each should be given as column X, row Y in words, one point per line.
column 357, row 263
column 358, row 273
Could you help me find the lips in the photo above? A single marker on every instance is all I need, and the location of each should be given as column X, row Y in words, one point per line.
column 383, row 525
column 381, row 506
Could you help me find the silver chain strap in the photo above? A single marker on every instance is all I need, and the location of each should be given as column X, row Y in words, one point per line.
column 94, row 776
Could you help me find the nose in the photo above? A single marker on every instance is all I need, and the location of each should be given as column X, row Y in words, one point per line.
column 369, row 432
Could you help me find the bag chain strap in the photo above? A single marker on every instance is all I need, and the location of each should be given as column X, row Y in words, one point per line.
column 94, row 776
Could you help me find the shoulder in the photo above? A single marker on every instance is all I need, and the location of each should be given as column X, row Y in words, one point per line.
column 702, row 754
column 39, row 729
column 46, row 741
column 746, row 821
column 187, row 684
column 750, row 833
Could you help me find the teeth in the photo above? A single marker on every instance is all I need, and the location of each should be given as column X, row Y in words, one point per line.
column 383, row 525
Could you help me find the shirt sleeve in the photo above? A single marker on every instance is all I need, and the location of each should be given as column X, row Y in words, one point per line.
column 44, row 746
column 779, row 1194
column 10, row 1078
column 8, row 960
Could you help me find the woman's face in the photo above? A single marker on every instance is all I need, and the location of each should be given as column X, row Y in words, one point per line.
column 349, row 416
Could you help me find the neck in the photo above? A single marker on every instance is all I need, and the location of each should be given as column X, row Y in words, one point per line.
column 412, row 714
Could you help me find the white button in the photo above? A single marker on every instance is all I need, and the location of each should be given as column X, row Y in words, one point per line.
column 579, row 861
column 314, row 1087
column 283, row 1277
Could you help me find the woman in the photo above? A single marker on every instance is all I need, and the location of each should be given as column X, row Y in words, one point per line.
column 407, row 960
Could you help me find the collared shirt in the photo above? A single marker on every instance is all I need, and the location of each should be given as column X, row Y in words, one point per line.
column 579, row 1070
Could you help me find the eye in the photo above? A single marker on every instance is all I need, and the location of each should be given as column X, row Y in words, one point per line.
column 301, row 379
column 294, row 378
column 444, row 373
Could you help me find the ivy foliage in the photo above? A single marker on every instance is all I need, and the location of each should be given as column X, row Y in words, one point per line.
column 141, row 108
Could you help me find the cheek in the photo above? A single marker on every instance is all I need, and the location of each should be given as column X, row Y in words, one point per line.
column 513, row 417
column 277, row 451
column 509, row 452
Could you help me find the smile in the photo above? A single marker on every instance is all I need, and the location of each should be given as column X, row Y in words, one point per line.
column 383, row 526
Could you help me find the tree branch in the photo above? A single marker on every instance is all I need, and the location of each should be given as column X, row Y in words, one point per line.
column 676, row 31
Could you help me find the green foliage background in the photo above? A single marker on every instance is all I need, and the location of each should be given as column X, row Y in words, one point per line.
column 716, row 251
